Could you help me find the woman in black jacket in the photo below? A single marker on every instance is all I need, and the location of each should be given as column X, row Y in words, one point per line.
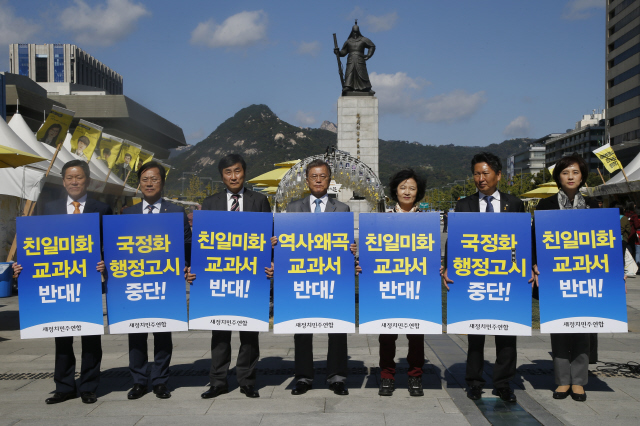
column 407, row 188
column 570, row 350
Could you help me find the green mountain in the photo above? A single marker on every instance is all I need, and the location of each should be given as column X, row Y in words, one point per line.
column 263, row 139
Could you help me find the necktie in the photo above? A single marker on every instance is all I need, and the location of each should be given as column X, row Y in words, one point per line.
column 318, row 209
column 235, row 205
column 488, row 199
column 77, row 207
column 150, row 208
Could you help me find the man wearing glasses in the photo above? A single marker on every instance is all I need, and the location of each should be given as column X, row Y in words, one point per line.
column 151, row 176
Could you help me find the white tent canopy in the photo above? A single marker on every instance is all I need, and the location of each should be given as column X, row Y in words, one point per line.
column 20, row 127
column 632, row 170
column 9, row 138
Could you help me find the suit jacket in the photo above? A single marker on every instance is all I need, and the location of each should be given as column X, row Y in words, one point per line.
column 304, row 206
column 169, row 207
column 91, row 206
column 251, row 202
column 471, row 204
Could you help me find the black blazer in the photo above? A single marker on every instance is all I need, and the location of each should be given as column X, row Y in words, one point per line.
column 251, row 202
column 471, row 204
column 168, row 207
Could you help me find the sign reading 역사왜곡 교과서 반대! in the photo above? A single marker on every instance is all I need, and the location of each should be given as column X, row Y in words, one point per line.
column 489, row 261
column 60, row 289
column 581, row 283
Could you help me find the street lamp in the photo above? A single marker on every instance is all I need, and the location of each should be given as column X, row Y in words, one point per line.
column 212, row 181
column 186, row 173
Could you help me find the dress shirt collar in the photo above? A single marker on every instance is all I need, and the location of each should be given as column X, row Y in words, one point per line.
column 324, row 199
column 82, row 200
column 495, row 195
column 157, row 205
column 229, row 193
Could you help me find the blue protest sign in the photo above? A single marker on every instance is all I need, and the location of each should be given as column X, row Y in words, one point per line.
column 146, row 291
column 229, row 253
column 489, row 261
column 314, row 279
column 581, row 283
column 400, row 287
column 60, row 289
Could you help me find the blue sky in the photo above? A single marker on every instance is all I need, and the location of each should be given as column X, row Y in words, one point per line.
column 465, row 72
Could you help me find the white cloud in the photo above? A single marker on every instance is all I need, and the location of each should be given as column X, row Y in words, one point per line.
column 102, row 25
column 581, row 9
column 305, row 119
column 519, row 127
column 397, row 95
column 309, row 48
column 240, row 30
column 457, row 105
column 374, row 23
column 14, row 29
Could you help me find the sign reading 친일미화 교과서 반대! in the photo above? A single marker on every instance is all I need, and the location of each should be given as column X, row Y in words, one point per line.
column 489, row 261
column 146, row 291
column 400, row 288
column 60, row 289
column 581, row 282
column 314, row 278
column 228, row 255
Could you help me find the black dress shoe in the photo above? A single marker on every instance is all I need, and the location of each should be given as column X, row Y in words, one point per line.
column 137, row 391
column 250, row 391
column 561, row 395
column 505, row 394
column 88, row 397
column 301, row 388
column 474, row 393
column 415, row 386
column 59, row 397
column 215, row 391
column 581, row 397
column 339, row 388
column 161, row 391
column 387, row 387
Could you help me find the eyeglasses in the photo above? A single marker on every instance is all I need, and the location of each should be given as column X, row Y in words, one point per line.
column 321, row 178
column 152, row 180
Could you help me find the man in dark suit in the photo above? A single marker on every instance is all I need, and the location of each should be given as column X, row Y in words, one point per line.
column 235, row 198
column 318, row 179
column 487, row 171
column 151, row 177
column 76, row 179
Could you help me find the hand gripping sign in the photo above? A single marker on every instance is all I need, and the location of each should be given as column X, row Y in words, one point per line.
column 146, row 291
column 489, row 261
column 314, row 287
column 229, row 253
column 581, row 282
column 60, row 289
column 400, row 288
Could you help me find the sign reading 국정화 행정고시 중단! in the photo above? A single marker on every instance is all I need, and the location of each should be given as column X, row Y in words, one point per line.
column 146, row 291
column 314, row 278
column 60, row 289
column 581, row 282
column 489, row 261
column 400, row 287
column 228, row 255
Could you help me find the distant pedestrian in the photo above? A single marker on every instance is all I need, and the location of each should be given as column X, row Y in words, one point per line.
column 445, row 219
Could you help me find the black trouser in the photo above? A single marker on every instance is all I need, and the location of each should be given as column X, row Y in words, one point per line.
column 65, row 364
column 336, row 357
column 138, row 358
column 504, row 368
column 248, row 357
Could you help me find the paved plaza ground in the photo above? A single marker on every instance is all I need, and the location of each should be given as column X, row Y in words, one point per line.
column 26, row 380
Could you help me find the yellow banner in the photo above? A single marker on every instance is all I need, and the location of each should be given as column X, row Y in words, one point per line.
column 108, row 149
column 85, row 139
column 608, row 157
column 144, row 157
column 56, row 126
column 127, row 159
column 166, row 167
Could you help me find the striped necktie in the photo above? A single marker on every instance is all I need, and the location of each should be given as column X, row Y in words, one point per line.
column 235, row 205
column 150, row 208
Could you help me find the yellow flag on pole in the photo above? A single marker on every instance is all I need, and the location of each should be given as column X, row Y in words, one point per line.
column 608, row 157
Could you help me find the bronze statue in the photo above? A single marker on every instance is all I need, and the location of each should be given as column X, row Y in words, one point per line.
column 356, row 79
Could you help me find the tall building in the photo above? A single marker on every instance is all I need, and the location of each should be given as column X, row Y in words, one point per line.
column 64, row 69
column 586, row 136
column 622, row 89
column 531, row 160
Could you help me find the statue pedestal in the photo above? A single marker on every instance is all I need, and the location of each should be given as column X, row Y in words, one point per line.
column 358, row 135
